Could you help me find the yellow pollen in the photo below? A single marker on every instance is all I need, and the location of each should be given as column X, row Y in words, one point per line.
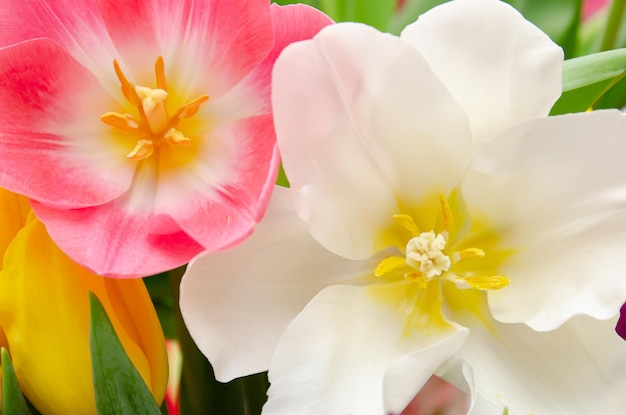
column 469, row 253
column 447, row 220
column 494, row 282
column 407, row 222
column 191, row 108
column 159, row 70
column 417, row 277
column 128, row 89
column 124, row 122
column 389, row 264
column 153, row 126
column 173, row 136
column 142, row 150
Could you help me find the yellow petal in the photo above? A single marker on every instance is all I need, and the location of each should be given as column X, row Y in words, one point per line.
column 44, row 311
column 14, row 211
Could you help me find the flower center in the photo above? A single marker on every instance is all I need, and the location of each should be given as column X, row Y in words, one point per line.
column 152, row 125
column 427, row 257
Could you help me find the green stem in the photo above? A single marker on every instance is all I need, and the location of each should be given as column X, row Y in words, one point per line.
column 616, row 14
column 196, row 370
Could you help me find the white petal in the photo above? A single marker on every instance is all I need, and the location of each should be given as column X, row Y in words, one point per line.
column 237, row 303
column 557, row 196
column 577, row 369
column 498, row 66
column 363, row 126
column 347, row 353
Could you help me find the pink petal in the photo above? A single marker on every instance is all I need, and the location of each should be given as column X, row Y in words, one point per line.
column 76, row 25
column 292, row 23
column 53, row 146
column 223, row 194
column 213, row 43
column 115, row 242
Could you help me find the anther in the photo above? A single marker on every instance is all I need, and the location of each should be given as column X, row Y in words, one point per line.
column 143, row 149
column 125, row 122
column 407, row 222
column 447, row 220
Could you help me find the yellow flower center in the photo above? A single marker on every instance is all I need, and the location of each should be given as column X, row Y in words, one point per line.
column 152, row 125
column 427, row 257
column 446, row 269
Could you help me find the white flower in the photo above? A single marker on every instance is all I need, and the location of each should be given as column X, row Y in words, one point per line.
column 437, row 222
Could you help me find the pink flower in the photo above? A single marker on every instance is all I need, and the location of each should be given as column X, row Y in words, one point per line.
column 590, row 7
column 142, row 129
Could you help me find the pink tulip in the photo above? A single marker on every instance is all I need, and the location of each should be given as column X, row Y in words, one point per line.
column 142, row 129
column 590, row 7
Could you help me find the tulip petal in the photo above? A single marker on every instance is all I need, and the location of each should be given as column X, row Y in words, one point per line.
column 498, row 66
column 14, row 210
column 220, row 195
column 360, row 121
column 53, row 146
column 346, row 353
column 212, row 43
column 237, row 310
column 75, row 25
column 116, row 241
column 44, row 311
column 556, row 196
column 576, row 369
column 292, row 23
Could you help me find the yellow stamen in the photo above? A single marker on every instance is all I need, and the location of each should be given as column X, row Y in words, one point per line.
column 389, row 264
column 159, row 69
column 494, row 282
column 470, row 253
column 125, row 122
column 447, row 220
column 417, row 277
column 191, row 108
column 173, row 136
column 128, row 89
column 142, row 150
column 407, row 222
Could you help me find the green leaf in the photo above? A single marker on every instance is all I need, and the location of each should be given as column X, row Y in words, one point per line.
column 374, row 13
column 590, row 69
column 118, row 386
column 13, row 402
column 410, row 12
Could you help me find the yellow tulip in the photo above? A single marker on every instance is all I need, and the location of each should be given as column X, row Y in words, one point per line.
column 44, row 314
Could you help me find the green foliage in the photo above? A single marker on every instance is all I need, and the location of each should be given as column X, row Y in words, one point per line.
column 13, row 402
column 559, row 19
column 118, row 385
column 593, row 81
